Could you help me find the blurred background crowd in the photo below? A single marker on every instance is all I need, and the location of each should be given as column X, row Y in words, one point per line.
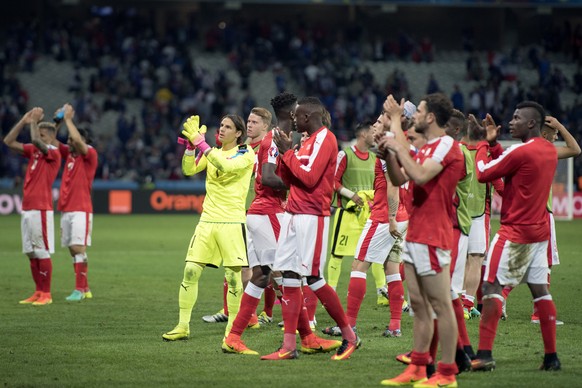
column 134, row 73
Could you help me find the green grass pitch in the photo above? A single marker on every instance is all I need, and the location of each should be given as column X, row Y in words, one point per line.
column 135, row 267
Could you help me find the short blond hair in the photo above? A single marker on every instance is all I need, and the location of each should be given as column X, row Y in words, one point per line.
column 48, row 125
column 264, row 114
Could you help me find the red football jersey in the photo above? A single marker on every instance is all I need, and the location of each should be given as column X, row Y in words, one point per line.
column 41, row 172
column 431, row 216
column 528, row 169
column 267, row 200
column 310, row 173
column 77, row 181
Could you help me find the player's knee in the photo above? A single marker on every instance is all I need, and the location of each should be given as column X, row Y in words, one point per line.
column 260, row 279
column 490, row 289
column 77, row 249
column 538, row 290
column 192, row 271
column 233, row 278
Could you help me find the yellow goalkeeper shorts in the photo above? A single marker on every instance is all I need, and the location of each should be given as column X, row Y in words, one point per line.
column 216, row 244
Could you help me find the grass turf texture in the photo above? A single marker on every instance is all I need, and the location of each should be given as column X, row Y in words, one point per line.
column 135, row 268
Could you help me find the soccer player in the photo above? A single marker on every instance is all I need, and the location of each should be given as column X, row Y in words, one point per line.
column 433, row 176
column 220, row 236
column 479, row 205
column 263, row 221
column 354, row 177
column 519, row 249
column 258, row 123
column 302, row 246
column 457, row 129
column 37, row 203
column 379, row 236
column 552, row 127
column 75, row 200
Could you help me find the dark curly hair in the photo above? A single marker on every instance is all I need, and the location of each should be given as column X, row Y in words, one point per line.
column 283, row 101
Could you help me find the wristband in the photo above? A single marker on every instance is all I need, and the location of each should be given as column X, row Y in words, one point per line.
column 185, row 142
column 203, row 146
column 346, row 192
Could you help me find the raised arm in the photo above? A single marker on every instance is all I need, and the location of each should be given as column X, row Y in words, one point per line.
column 193, row 164
column 74, row 135
column 240, row 161
column 396, row 175
column 489, row 171
column 37, row 115
column 394, row 110
column 393, row 202
column 309, row 174
column 419, row 173
column 10, row 138
column 572, row 147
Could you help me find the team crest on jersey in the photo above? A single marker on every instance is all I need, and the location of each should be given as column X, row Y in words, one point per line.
column 273, row 152
column 70, row 165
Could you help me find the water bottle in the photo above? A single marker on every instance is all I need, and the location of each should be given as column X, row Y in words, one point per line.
column 59, row 115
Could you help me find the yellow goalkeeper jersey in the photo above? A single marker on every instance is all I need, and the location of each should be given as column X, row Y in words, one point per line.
column 228, row 174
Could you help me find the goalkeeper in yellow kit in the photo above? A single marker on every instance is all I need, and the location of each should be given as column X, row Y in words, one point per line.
column 220, row 236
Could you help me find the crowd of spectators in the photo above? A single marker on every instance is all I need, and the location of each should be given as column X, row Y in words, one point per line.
column 135, row 63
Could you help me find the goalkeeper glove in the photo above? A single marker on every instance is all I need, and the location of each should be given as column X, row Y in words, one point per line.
column 195, row 134
column 192, row 131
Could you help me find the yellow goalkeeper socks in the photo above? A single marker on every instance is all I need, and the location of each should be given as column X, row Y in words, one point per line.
column 334, row 270
column 189, row 291
column 233, row 296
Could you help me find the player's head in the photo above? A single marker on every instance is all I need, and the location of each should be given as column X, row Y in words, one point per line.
column 309, row 114
column 527, row 121
column 258, row 122
column 434, row 110
column 418, row 140
column 232, row 127
column 85, row 136
column 457, row 125
column 549, row 132
column 365, row 133
column 47, row 132
column 284, row 107
column 382, row 124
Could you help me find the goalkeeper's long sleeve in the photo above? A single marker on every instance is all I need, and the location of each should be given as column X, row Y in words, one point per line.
column 243, row 157
column 192, row 163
